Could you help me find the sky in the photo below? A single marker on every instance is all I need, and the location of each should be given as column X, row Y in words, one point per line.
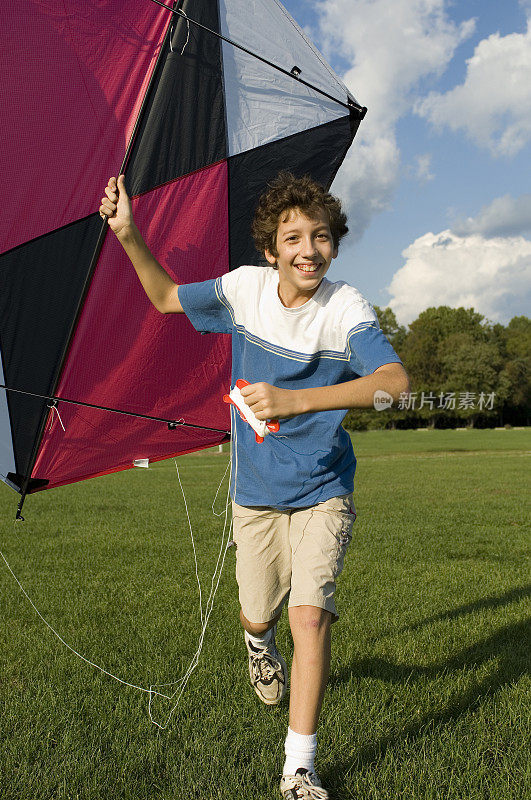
column 437, row 182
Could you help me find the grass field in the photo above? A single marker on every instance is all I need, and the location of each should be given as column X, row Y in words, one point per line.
column 429, row 697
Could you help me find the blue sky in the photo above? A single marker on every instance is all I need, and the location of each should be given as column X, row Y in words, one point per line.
column 437, row 182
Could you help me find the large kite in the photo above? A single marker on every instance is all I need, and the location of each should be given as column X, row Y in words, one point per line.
column 199, row 103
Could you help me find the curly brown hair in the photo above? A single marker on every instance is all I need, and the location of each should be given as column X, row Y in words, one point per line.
column 286, row 192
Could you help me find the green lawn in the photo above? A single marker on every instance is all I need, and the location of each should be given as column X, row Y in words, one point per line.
column 430, row 692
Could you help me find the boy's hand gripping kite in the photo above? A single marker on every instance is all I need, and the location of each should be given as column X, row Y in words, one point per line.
column 260, row 427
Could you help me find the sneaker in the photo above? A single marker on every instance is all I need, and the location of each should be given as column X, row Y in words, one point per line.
column 303, row 785
column 268, row 671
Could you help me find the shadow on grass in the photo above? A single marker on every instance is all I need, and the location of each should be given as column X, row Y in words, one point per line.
column 510, row 646
column 512, row 596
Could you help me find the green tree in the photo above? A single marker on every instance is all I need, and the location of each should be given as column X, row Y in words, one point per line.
column 421, row 348
column 516, row 343
column 518, row 337
column 388, row 323
column 449, row 352
column 472, row 371
column 454, row 359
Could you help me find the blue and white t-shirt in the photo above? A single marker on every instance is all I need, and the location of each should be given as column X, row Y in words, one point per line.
column 334, row 337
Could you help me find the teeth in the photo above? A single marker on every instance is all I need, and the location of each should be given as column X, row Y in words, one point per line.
column 307, row 267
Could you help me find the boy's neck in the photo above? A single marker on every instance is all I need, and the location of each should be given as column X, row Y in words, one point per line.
column 293, row 299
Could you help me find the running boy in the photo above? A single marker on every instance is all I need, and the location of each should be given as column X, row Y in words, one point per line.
column 310, row 349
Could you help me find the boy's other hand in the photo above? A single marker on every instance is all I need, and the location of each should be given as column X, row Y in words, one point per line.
column 117, row 206
column 270, row 402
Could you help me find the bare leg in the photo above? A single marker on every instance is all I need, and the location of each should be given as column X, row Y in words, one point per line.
column 310, row 628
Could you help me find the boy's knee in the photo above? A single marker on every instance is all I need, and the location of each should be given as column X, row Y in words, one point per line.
column 256, row 628
column 309, row 620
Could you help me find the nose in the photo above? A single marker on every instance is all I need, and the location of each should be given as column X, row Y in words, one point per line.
column 308, row 248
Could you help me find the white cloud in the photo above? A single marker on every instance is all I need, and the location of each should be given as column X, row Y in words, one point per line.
column 491, row 275
column 392, row 46
column 367, row 180
column 423, row 171
column 493, row 104
column 504, row 216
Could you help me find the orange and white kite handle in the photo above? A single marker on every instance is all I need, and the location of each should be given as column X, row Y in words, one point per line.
column 261, row 428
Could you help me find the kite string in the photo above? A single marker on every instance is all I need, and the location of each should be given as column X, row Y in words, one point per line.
column 229, row 466
column 53, row 407
column 187, row 34
column 152, row 690
column 92, row 664
column 214, row 584
column 193, row 543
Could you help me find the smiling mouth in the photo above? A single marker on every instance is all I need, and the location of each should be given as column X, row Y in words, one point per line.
column 308, row 268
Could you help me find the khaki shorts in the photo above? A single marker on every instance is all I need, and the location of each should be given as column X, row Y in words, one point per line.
column 297, row 553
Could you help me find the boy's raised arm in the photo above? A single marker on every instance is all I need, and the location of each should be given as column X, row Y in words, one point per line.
column 159, row 287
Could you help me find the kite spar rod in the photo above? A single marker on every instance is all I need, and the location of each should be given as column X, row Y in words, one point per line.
column 172, row 423
column 295, row 72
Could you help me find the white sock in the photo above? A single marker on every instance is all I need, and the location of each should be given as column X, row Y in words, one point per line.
column 261, row 641
column 300, row 752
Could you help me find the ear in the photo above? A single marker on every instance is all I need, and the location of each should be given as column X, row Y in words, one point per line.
column 335, row 252
column 270, row 257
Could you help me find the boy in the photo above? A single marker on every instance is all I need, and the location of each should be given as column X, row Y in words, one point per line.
column 310, row 349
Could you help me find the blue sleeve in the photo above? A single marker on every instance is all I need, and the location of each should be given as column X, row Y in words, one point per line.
column 369, row 349
column 204, row 305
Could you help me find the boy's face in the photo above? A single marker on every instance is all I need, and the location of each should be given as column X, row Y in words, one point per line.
column 305, row 251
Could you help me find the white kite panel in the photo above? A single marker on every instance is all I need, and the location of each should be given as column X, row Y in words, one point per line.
column 264, row 105
column 7, row 459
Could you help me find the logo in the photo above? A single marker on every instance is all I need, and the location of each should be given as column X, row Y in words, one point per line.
column 382, row 400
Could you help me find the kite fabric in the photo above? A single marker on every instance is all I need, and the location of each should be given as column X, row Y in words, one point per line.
column 199, row 126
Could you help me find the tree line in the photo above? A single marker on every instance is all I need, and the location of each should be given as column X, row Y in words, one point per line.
column 464, row 371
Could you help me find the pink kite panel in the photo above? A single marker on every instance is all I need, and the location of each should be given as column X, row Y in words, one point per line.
column 126, row 355
column 72, row 78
